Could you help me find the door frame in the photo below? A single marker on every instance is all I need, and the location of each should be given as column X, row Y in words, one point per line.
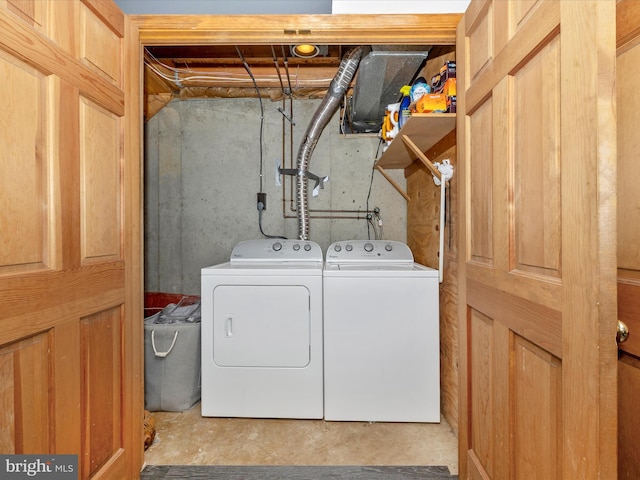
column 171, row 30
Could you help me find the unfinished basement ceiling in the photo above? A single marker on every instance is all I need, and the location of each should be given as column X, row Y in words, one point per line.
column 218, row 71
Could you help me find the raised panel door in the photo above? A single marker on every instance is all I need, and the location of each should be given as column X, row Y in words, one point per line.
column 70, row 359
column 537, row 310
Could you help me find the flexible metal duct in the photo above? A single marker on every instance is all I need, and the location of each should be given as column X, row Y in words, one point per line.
column 321, row 117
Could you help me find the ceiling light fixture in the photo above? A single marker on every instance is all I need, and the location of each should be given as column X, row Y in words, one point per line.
column 305, row 50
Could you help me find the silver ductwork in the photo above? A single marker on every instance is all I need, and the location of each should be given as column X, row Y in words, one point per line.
column 321, row 117
column 381, row 74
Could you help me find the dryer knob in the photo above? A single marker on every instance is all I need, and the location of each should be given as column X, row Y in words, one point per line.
column 307, row 247
column 337, row 248
column 277, row 246
column 368, row 247
column 388, row 247
column 296, row 246
column 349, row 247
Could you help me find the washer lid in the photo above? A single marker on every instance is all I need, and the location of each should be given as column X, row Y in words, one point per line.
column 369, row 251
column 379, row 270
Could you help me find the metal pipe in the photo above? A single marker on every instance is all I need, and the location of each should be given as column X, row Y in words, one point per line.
column 321, row 117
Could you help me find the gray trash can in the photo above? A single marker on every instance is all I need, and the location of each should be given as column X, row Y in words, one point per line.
column 172, row 357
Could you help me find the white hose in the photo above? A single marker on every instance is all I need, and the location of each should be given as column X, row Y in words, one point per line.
column 441, row 253
column 446, row 172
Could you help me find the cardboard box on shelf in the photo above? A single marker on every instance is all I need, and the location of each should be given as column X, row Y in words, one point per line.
column 447, row 72
column 432, row 103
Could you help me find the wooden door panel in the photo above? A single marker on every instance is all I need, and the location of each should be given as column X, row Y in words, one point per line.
column 30, row 10
column 100, row 181
column 537, row 387
column 479, row 33
column 101, row 47
column 481, row 185
column 68, row 332
column 101, row 362
column 535, row 120
column 24, row 177
column 25, row 385
column 481, row 409
column 539, row 320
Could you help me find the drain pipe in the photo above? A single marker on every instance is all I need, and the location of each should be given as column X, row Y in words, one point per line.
column 321, row 117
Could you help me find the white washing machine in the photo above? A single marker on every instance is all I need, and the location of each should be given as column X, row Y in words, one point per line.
column 381, row 334
column 262, row 332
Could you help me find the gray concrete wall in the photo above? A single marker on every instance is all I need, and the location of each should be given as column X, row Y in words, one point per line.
column 202, row 174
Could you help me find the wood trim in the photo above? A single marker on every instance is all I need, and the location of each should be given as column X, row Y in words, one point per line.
column 462, row 54
column 265, row 29
column 132, row 218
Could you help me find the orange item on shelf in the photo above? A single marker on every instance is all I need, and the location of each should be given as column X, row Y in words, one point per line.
column 432, row 102
column 450, row 88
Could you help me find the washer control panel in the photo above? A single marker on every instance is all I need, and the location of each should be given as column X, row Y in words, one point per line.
column 368, row 251
column 276, row 250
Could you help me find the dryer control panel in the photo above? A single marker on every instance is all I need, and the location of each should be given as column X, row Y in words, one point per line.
column 276, row 250
column 365, row 251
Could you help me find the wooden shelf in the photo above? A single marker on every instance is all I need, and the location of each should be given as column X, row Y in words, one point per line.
column 424, row 130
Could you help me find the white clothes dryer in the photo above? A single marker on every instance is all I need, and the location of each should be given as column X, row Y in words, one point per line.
column 262, row 332
column 381, row 334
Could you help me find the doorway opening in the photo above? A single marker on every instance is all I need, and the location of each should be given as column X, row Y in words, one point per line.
column 186, row 437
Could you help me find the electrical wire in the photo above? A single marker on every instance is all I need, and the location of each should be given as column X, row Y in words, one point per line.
column 255, row 85
column 373, row 170
column 260, row 205
column 286, row 68
column 260, row 210
column 180, row 75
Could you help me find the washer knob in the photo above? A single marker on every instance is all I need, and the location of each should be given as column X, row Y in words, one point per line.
column 338, row 248
column 349, row 247
column 296, row 246
column 388, row 247
column 368, row 247
column 307, row 247
column 277, row 246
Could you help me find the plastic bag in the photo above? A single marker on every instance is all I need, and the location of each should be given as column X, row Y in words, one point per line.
column 187, row 310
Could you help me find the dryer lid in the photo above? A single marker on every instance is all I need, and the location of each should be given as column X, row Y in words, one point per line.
column 276, row 251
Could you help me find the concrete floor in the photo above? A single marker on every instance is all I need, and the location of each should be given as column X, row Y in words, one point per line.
column 186, row 438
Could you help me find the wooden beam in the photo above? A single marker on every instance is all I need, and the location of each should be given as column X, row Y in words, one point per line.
column 405, row 29
column 421, row 156
column 443, row 145
column 393, row 183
